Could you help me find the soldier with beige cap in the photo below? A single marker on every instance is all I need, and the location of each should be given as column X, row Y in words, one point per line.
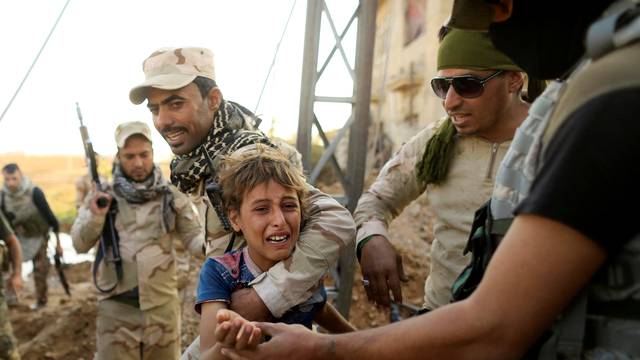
column 200, row 126
column 140, row 317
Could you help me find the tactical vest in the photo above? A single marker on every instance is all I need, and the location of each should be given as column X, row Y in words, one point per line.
column 148, row 255
column 23, row 214
column 604, row 321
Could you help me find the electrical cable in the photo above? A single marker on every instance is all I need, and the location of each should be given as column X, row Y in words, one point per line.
column 34, row 61
column 275, row 54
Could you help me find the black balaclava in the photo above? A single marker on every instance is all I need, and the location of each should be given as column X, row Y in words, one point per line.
column 546, row 37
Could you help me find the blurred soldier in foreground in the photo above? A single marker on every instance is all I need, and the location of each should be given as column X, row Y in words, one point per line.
column 28, row 212
column 10, row 256
column 140, row 317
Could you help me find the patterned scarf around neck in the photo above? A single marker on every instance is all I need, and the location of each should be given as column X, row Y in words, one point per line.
column 141, row 192
column 233, row 128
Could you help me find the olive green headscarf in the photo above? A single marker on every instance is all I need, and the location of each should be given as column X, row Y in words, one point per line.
column 472, row 50
column 462, row 50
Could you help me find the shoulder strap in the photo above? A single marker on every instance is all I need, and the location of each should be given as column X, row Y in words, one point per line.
column 619, row 27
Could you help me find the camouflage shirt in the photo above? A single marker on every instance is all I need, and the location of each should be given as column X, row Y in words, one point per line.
column 146, row 247
column 468, row 185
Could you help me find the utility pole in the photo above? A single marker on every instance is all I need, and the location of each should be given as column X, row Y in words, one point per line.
column 357, row 126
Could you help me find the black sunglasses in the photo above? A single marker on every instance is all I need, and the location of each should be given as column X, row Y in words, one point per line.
column 467, row 86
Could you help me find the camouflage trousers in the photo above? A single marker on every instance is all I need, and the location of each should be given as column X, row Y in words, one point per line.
column 40, row 272
column 8, row 343
column 41, row 267
column 126, row 332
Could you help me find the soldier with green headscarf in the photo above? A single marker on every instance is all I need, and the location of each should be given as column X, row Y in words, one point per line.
column 454, row 160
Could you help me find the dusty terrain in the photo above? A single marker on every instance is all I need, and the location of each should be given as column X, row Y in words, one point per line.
column 65, row 328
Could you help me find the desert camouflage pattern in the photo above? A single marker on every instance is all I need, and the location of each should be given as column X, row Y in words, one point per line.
column 149, row 263
column 8, row 343
column 468, row 185
column 122, row 328
column 5, row 230
column 185, row 60
column 173, row 68
column 329, row 228
column 521, row 163
column 147, row 250
column 41, row 266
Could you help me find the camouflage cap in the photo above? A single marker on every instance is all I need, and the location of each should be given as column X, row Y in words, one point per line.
column 125, row 130
column 173, row 68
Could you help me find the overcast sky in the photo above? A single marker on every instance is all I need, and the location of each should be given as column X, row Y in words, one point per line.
column 95, row 56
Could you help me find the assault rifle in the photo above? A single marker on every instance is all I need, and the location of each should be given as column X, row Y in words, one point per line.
column 109, row 248
column 57, row 260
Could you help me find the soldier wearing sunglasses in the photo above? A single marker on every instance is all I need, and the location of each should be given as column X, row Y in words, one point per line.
column 454, row 161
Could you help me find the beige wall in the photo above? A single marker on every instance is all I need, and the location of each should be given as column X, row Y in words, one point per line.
column 402, row 100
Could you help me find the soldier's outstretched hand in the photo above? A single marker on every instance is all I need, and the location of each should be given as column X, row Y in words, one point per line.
column 287, row 342
column 382, row 271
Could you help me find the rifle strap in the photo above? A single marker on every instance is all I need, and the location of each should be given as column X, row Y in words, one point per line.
column 100, row 255
column 96, row 264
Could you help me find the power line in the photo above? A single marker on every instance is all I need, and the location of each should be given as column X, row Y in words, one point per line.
column 275, row 54
column 34, row 61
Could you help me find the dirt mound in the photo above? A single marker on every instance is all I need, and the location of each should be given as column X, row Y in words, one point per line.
column 65, row 328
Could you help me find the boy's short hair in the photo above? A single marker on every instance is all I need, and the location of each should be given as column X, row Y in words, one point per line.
column 247, row 168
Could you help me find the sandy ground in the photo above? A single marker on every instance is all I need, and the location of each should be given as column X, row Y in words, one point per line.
column 65, row 328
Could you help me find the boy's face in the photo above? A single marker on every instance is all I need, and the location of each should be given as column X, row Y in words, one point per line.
column 269, row 218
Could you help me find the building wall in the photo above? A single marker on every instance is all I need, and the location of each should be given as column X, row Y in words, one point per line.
column 402, row 100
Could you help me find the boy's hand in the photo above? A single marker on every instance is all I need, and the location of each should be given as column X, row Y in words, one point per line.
column 236, row 332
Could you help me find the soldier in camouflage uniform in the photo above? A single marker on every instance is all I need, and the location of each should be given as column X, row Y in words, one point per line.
column 453, row 160
column 200, row 125
column 10, row 252
column 140, row 317
column 25, row 206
